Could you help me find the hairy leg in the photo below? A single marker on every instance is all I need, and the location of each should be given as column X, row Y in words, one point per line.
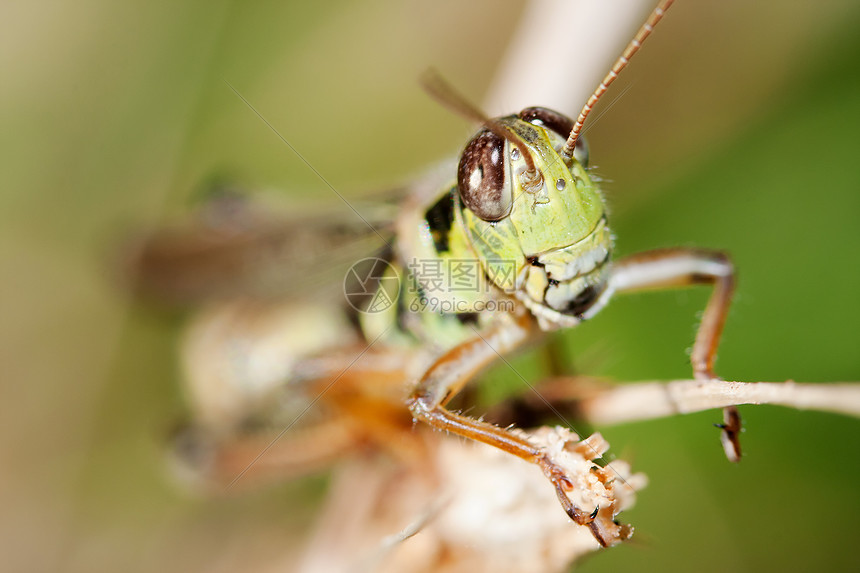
column 444, row 379
column 667, row 268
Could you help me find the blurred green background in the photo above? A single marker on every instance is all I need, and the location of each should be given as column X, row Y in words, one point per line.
column 739, row 132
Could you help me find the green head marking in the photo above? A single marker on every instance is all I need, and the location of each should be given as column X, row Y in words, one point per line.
column 522, row 204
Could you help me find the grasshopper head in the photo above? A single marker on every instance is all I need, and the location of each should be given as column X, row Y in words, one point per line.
column 523, row 205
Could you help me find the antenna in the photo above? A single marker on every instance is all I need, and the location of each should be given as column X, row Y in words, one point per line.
column 442, row 92
column 620, row 64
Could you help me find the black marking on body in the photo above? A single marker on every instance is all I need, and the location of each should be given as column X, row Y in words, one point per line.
column 583, row 301
column 440, row 219
column 466, row 318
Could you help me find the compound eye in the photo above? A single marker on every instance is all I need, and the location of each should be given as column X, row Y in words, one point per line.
column 481, row 177
column 560, row 124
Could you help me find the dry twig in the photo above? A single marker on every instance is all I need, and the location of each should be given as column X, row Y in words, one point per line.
column 606, row 405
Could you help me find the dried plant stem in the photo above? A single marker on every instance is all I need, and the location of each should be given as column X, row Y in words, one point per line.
column 560, row 51
column 649, row 400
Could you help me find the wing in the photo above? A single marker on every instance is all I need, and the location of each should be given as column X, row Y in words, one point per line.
column 238, row 245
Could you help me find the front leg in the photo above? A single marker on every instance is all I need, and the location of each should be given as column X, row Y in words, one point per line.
column 668, row 268
column 447, row 376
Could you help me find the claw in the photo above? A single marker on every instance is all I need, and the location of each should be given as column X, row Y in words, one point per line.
column 599, row 522
column 576, row 514
column 730, row 433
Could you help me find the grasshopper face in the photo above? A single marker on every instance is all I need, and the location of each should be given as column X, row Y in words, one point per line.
column 536, row 211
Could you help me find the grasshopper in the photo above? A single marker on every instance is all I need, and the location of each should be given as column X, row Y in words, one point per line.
column 524, row 219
